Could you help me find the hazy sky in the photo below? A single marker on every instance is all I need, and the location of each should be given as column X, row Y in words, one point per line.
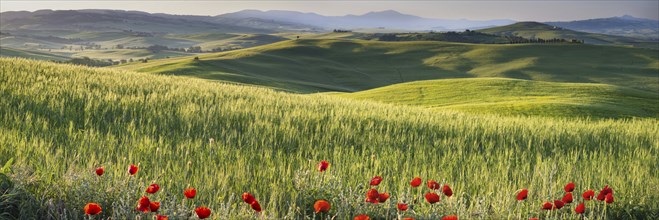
column 479, row 10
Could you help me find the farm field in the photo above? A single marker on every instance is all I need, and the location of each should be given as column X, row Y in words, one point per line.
column 324, row 65
column 60, row 122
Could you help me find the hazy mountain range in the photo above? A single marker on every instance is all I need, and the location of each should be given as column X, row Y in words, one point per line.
column 254, row 21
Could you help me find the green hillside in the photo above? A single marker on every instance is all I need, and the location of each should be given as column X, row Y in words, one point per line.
column 314, row 65
column 60, row 122
column 135, row 54
column 38, row 55
column 519, row 97
column 544, row 31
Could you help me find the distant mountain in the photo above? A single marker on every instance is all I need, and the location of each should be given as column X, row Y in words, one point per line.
column 389, row 19
column 119, row 20
column 545, row 31
column 623, row 26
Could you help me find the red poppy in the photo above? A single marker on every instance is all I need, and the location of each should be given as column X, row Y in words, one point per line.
column 154, row 206
column 190, row 193
column 323, row 165
column 256, row 206
column 522, row 194
column 416, row 182
column 143, row 204
column 602, row 195
column 589, row 194
column 408, row 218
column 100, row 171
column 609, row 198
column 153, row 188
column 432, row 197
column 161, row 217
column 374, row 201
column 383, row 197
column 433, row 185
column 558, row 204
column 534, row 219
column 203, row 212
column 321, row 206
column 133, row 169
column 376, row 180
column 402, row 207
column 248, row 198
column 447, row 190
column 567, row 198
column 92, row 209
column 581, row 208
column 450, row 217
column 547, row 206
column 362, row 217
column 569, row 187
column 372, row 194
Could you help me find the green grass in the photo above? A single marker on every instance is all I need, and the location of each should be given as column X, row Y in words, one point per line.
column 38, row 55
column 320, row 65
column 519, row 97
column 59, row 122
column 135, row 54
column 539, row 30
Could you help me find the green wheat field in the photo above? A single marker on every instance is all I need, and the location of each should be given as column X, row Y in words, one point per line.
column 59, row 122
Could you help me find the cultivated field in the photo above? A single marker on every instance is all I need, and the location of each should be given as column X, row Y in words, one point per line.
column 58, row 123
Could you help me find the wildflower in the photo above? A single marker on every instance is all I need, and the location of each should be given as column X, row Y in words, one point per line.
column 547, row 206
column 433, row 185
column 558, row 204
column 321, row 206
column 609, row 198
column 92, row 209
column 450, row 217
column 383, row 197
column 376, row 180
column 589, row 194
column 100, row 171
column 432, row 197
column 190, row 193
column 143, row 204
column 402, row 207
column 447, row 190
column 416, row 182
column 408, row 218
column 605, row 191
column 372, row 194
column 362, row 217
column 522, row 194
column 256, row 206
column 202, row 212
column 248, row 198
column 154, row 206
column 569, row 187
column 567, row 198
column 153, row 188
column 323, row 165
column 133, row 169
column 161, row 217
column 581, row 208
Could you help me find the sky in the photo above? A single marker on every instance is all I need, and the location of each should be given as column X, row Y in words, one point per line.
column 532, row 10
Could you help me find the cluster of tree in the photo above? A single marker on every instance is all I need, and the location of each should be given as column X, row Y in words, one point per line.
column 138, row 33
column 341, row 31
column 468, row 36
column 86, row 61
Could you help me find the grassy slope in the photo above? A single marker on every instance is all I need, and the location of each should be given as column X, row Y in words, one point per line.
column 38, row 55
column 312, row 65
column 539, row 30
column 117, row 54
column 519, row 97
column 58, row 122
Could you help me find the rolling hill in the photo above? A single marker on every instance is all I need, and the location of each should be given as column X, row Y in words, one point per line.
column 545, row 31
column 627, row 25
column 320, row 65
column 37, row 55
column 518, row 97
